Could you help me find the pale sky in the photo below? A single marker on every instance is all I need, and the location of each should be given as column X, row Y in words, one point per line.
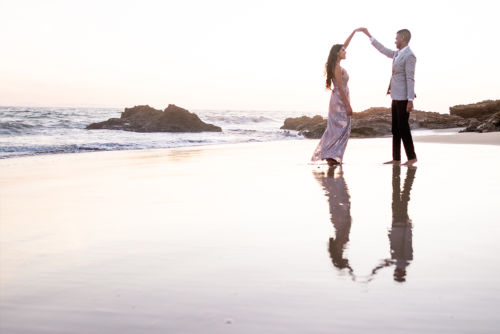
column 240, row 55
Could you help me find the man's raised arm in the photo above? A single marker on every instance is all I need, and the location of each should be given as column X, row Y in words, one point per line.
column 385, row 51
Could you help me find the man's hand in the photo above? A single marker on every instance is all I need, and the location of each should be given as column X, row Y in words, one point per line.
column 365, row 31
column 409, row 106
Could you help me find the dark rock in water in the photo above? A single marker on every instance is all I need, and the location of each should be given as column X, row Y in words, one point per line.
column 315, row 131
column 433, row 120
column 491, row 124
column 303, row 123
column 147, row 119
column 374, row 122
column 472, row 125
column 309, row 127
column 366, row 128
column 480, row 110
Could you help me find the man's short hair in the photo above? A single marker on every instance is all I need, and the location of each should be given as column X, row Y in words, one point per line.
column 405, row 33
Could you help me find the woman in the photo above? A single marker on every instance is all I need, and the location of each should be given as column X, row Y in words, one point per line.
column 334, row 141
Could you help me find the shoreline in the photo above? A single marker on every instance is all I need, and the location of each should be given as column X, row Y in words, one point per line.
column 470, row 138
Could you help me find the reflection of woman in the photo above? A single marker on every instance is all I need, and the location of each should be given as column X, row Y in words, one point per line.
column 340, row 214
column 334, row 141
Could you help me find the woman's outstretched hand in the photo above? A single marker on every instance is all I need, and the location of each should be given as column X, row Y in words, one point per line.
column 365, row 31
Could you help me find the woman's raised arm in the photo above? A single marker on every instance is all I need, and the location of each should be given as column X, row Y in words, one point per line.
column 348, row 40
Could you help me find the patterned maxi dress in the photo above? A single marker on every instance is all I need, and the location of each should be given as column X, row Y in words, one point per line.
column 334, row 140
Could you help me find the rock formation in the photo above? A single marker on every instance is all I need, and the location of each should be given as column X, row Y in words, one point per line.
column 309, row 127
column 374, row 122
column 481, row 117
column 480, row 110
column 147, row 119
column 490, row 124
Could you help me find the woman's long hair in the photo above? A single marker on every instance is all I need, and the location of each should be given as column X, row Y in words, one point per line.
column 330, row 65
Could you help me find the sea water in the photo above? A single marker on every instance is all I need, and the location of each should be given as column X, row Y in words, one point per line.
column 46, row 130
column 26, row 131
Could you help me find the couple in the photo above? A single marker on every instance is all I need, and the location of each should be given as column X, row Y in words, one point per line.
column 334, row 141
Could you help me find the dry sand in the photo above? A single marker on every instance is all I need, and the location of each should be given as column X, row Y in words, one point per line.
column 489, row 138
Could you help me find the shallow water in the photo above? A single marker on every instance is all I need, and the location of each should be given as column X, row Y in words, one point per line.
column 251, row 238
column 26, row 131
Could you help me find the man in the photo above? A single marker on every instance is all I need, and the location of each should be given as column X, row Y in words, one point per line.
column 402, row 93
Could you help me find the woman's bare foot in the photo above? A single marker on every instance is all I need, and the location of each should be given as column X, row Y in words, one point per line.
column 410, row 162
column 392, row 162
column 332, row 162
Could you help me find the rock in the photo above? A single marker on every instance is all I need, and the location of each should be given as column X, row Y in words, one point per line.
column 309, row 127
column 434, row 120
column 374, row 122
column 472, row 125
column 315, row 131
column 370, row 128
column 303, row 123
column 480, row 110
column 491, row 124
column 147, row 119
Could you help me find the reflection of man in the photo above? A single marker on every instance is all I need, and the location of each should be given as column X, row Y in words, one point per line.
column 340, row 214
column 400, row 234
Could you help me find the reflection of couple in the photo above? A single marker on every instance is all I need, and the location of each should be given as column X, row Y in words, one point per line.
column 400, row 234
column 334, row 141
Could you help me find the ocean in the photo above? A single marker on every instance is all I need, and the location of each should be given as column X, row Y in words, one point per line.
column 26, row 131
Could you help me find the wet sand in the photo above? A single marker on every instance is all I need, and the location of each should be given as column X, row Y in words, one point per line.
column 252, row 238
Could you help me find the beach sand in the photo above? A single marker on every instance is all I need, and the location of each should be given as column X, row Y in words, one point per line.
column 252, row 238
column 488, row 138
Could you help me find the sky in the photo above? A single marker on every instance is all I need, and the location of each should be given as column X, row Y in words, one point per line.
column 240, row 55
